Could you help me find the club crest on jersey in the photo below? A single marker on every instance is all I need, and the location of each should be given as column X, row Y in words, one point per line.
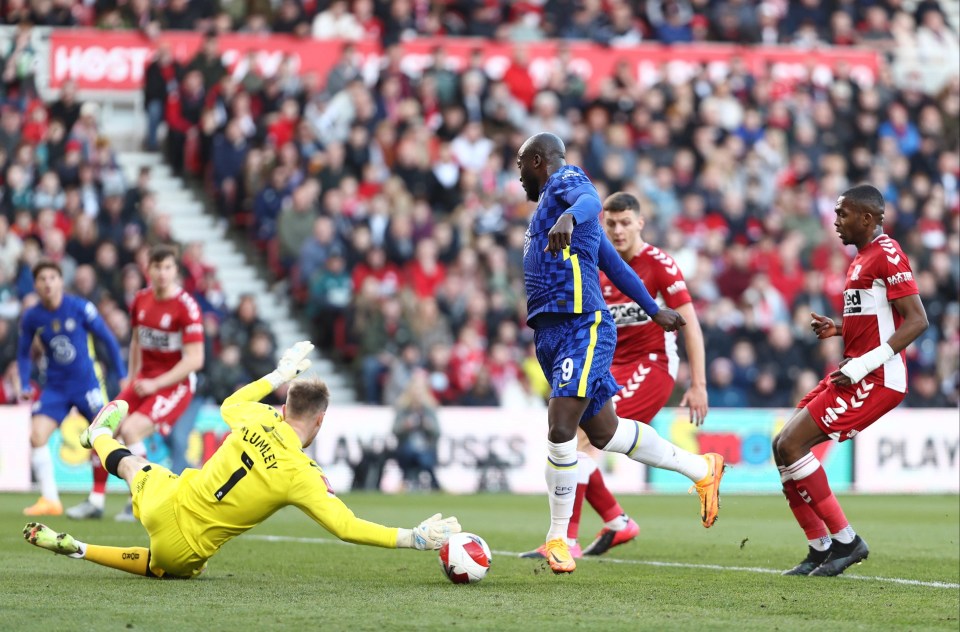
column 70, row 324
column 856, row 272
column 165, row 321
column 62, row 349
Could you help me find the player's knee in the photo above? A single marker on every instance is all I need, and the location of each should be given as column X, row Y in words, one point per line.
column 559, row 434
column 135, row 428
column 37, row 440
column 600, row 438
column 775, row 445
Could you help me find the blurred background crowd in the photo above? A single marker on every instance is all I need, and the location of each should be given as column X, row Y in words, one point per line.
column 392, row 209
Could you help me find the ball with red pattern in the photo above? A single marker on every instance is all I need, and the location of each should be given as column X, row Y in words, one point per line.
column 465, row 558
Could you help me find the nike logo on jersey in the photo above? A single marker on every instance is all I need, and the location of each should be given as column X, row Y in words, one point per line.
column 562, row 384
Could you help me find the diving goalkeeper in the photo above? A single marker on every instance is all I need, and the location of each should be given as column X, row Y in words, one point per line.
column 259, row 469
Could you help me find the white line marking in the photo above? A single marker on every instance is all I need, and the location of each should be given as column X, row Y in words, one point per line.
column 708, row 567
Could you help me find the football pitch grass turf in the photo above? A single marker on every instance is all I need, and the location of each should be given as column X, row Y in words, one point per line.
column 290, row 574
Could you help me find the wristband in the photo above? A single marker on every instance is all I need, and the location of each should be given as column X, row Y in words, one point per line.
column 859, row 368
column 275, row 379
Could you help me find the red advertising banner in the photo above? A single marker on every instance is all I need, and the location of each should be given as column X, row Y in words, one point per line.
column 112, row 60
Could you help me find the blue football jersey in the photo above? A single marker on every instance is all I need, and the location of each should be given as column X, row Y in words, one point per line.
column 568, row 283
column 66, row 334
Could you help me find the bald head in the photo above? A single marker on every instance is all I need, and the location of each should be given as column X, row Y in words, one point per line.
column 547, row 145
column 539, row 156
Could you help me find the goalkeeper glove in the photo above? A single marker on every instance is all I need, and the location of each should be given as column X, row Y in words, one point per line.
column 429, row 535
column 292, row 363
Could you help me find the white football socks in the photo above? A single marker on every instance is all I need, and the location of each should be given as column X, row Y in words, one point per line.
column 561, row 475
column 617, row 524
column 821, row 544
column 97, row 499
column 641, row 443
column 846, row 535
column 42, row 463
column 586, row 466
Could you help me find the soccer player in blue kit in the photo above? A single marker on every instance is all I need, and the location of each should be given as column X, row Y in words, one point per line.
column 65, row 326
column 575, row 337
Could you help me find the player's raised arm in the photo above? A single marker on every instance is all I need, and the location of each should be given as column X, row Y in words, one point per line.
column 584, row 205
column 627, row 281
column 292, row 363
column 99, row 328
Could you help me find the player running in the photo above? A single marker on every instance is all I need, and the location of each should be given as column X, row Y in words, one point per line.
column 259, row 469
column 65, row 326
column 575, row 336
column 166, row 349
column 645, row 362
column 882, row 315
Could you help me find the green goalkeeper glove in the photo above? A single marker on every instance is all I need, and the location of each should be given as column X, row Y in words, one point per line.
column 429, row 535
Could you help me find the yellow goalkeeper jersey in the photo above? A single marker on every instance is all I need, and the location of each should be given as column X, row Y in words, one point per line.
column 260, row 468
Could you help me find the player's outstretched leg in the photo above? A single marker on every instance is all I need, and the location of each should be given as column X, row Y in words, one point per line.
column 641, row 443
column 46, row 538
column 708, row 488
column 133, row 559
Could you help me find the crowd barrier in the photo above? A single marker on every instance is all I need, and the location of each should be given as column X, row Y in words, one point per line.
column 116, row 60
column 495, row 449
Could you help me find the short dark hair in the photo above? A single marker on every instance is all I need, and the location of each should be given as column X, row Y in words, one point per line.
column 46, row 264
column 867, row 197
column 621, row 201
column 307, row 397
column 162, row 252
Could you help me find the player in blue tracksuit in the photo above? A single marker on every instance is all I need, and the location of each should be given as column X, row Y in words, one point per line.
column 64, row 326
column 575, row 337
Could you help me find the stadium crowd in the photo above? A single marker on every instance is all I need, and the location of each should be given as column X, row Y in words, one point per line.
column 880, row 23
column 65, row 199
column 394, row 212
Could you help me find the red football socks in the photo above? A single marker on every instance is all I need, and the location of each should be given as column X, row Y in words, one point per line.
column 573, row 529
column 601, row 499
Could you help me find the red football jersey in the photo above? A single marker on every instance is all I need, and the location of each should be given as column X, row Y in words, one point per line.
column 878, row 274
column 639, row 339
column 163, row 327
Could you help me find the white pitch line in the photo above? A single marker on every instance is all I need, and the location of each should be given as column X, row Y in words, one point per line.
column 708, row 567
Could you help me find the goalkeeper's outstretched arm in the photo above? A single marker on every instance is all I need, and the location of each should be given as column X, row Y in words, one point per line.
column 311, row 494
column 235, row 410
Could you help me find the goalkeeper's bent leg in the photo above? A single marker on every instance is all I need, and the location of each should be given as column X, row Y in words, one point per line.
column 113, row 454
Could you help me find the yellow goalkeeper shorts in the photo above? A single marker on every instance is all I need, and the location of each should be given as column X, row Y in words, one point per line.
column 155, row 505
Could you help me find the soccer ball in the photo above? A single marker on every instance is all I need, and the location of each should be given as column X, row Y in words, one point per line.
column 465, row 558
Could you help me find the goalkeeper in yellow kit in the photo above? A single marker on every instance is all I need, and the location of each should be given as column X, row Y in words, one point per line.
column 259, row 469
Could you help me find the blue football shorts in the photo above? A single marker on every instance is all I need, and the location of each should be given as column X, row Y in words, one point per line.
column 56, row 402
column 575, row 353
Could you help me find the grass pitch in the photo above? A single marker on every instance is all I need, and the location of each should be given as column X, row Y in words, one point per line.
column 290, row 574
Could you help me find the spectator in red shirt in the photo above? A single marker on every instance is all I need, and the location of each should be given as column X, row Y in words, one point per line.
column 426, row 273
